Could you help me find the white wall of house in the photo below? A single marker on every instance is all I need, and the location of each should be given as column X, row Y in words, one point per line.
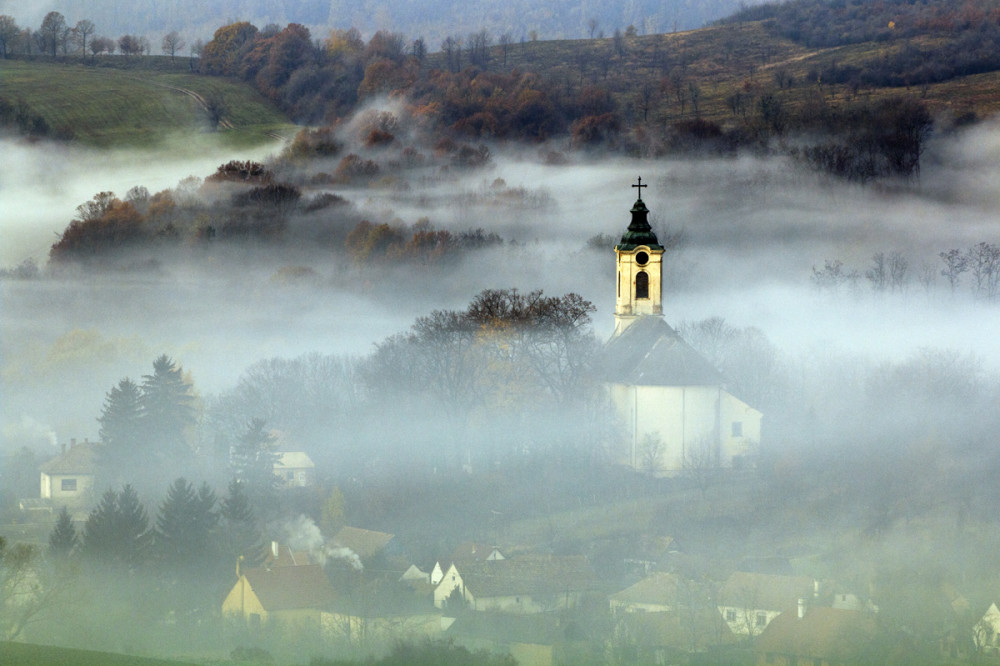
column 704, row 425
column 66, row 488
column 747, row 621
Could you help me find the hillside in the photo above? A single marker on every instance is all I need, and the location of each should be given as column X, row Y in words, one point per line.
column 103, row 106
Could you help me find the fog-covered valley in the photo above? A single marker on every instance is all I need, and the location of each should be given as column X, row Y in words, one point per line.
column 878, row 385
column 754, row 231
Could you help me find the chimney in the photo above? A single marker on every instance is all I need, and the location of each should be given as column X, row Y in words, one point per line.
column 802, row 608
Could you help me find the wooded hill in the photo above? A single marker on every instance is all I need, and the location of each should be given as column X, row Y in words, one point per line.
column 869, row 79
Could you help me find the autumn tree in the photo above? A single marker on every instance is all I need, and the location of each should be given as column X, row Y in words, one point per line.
column 9, row 32
column 51, row 31
column 172, row 43
column 222, row 54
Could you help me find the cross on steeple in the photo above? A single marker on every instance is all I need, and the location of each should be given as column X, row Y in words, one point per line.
column 640, row 186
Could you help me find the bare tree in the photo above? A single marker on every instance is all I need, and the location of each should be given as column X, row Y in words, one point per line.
column 592, row 26
column 955, row 263
column 8, row 34
column 898, row 266
column 51, row 31
column 83, row 30
column 505, row 42
column 878, row 273
column 984, row 264
column 172, row 43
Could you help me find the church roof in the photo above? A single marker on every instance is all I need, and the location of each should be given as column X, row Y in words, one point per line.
column 651, row 353
column 639, row 232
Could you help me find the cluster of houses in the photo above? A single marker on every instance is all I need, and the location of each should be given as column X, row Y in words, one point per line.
column 358, row 587
column 547, row 609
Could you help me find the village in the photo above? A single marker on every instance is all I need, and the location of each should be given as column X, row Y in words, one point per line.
column 627, row 588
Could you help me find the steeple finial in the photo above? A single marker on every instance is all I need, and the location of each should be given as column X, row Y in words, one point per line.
column 639, row 187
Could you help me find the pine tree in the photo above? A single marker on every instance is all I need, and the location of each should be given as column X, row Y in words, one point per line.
column 185, row 526
column 242, row 534
column 63, row 538
column 168, row 409
column 253, row 460
column 125, row 449
column 117, row 531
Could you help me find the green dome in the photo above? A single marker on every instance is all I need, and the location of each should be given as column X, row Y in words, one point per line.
column 639, row 232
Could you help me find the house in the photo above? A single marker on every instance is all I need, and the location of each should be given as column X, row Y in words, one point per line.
column 657, row 593
column 673, row 404
column 68, row 479
column 295, row 469
column 821, row 636
column 366, row 544
column 749, row 601
column 280, row 555
column 986, row 632
column 470, row 551
column 650, row 553
column 378, row 613
column 524, row 585
column 666, row 637
column 294, row 595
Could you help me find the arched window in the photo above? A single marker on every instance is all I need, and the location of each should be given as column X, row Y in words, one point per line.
column 642, row 284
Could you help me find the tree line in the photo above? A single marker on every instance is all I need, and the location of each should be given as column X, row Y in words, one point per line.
column 56, row 37
column 893, row 272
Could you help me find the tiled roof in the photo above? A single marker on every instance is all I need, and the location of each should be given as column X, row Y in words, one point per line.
column 293, row 460
column 688, row 630
column 363, row 542
column 79, row 459
column 528, row 575
column 659, row 588
column 472, row 551
column 650, row 353
column 824, row 633
column 287, row 588
column 764, row 591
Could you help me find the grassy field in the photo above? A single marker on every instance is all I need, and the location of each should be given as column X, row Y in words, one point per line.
column 23, row 654
column 104, row 106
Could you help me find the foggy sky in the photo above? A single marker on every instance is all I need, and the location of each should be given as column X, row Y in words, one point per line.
column 755, row 229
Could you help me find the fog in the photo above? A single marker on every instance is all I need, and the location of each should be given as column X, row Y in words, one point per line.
column 859, row 374
column 754, row 231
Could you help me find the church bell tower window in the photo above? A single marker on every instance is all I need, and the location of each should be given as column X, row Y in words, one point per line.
column 642, row 284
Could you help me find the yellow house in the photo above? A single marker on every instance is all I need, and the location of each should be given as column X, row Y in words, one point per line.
column 675, row 410
column 68, row 479
column 294, row 595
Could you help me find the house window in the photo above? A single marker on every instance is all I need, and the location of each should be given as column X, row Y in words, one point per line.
column 730, row 615
column 69, row 485
column 761, row 619
column 737, row 428
column 642, row 284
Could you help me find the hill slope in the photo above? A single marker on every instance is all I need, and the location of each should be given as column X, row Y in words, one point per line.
column 103, row 106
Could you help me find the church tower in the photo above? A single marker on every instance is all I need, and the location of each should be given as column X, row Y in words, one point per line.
column 640, row 268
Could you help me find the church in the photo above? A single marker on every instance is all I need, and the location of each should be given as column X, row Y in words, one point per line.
column 672, row 405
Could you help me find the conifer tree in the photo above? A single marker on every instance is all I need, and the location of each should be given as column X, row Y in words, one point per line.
column 63, row 538
column 167, row 409
column 185, row 526
column 242, row 534
column 117, row 530
column 253, row 462
column 125, row 448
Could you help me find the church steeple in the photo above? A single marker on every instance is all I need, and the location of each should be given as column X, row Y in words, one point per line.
column 640, row 258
